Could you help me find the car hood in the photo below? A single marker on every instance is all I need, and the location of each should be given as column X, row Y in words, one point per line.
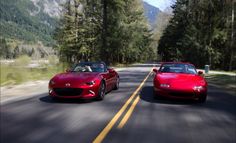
column 75, row 77
column 180, row 80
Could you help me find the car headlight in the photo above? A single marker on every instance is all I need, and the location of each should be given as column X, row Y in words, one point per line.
column 90, row 83
column 198, row 88
column 51, row 82
column 165, row 85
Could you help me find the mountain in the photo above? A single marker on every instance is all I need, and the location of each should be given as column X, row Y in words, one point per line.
column 151, row 13
column 50, row 7
column 28, row 20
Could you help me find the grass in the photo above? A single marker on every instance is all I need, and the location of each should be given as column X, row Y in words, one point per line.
column 11, row 74
column 222, row 80
column 17, row 73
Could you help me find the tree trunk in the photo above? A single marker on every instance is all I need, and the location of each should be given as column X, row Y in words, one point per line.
column 104, row 32
column 232, row 38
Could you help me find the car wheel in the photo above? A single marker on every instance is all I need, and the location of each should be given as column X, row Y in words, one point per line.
column 101, row 91
column 117, row 84
column 202, row 99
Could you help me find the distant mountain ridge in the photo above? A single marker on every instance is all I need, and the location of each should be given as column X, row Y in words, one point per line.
column 27, row 20
column 151, row 12
column 50, row 7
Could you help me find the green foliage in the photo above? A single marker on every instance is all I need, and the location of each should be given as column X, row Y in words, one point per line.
column 11, row 74
column 12, row 49
column 53, row 60
column 17, row 21
column 112, row 31
column 222, row 80
column 199, row 33
column 23, row 60
column 4, row 49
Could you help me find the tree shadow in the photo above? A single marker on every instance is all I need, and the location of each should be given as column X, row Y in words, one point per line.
column 147, row 95
column 217, row 99
column 220, row 99
column 48, row 99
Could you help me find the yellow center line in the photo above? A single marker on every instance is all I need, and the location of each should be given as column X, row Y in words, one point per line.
column 109, row 126
column 128, row 114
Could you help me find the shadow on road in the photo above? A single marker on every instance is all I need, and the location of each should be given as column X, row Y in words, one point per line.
column 217, row 100
column 48, row 99
column 147, row 94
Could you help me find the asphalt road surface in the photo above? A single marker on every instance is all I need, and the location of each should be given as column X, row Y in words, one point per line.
column 128, row 115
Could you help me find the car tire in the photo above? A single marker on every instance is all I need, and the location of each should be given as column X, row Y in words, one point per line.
column 202, row 98
column 116, row 87
column 101, row 91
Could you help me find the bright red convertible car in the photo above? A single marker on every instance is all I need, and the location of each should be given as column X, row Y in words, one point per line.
column 85, row 80
column 179, row 80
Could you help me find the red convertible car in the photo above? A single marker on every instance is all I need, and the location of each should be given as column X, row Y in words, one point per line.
column 85, row 80
column 179, row 80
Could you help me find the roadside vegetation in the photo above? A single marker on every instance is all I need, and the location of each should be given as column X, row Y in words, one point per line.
column 222, row 80
column 21, row 71
column 201, row 32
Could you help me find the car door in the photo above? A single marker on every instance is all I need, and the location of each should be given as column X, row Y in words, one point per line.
column 113, row 76
column 108, row 80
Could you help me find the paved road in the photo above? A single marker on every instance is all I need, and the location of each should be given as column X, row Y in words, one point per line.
column 39, row 119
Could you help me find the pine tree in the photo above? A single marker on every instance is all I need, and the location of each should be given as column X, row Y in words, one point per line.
column 200, row 32
column 113, row 31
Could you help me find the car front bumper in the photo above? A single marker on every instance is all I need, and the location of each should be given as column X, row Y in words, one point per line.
column 179, row 94
column 88, row 92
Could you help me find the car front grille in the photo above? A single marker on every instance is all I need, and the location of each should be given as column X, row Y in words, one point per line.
column 182, row 94
column 68, row 91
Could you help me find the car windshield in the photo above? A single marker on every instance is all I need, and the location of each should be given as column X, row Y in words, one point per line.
column 178, row 68
column 89, row 67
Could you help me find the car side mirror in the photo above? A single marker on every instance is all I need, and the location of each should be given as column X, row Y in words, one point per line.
column 200, row 72
column 155, row 70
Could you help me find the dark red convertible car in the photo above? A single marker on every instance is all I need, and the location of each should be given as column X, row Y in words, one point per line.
column 85, row 80
column 179, row 80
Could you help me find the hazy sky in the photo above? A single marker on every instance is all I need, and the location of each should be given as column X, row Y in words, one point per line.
column 161, row 4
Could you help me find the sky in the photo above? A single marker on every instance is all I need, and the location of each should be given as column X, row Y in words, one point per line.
column 161, row 4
